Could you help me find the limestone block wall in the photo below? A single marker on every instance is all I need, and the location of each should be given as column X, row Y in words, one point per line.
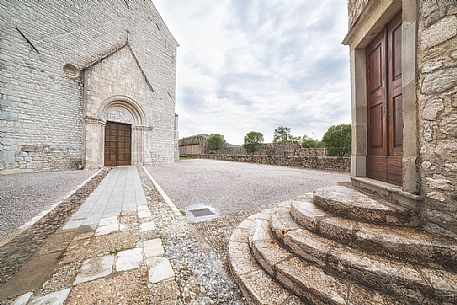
column 437, row 99
column 282, row 148
column 341, row 164
column 198, row 144
column 41, row 108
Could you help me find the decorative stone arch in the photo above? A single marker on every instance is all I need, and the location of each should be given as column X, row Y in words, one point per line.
column 118, row 109
column 121, row 109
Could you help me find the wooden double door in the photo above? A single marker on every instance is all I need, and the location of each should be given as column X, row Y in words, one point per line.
column 118, row 144
column 385, row 104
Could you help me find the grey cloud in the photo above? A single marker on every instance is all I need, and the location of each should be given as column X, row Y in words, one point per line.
column 269, row 63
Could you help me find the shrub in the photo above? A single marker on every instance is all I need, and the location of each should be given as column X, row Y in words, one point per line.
column 308, row 142
column 282, row 133
column 216, row 142
column 337, row 140
column 252, row 141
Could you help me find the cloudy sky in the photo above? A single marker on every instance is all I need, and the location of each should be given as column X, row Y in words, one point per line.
column 247, row 65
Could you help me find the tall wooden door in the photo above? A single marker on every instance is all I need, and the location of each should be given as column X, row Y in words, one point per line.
column 118, row 144
column 385, row 105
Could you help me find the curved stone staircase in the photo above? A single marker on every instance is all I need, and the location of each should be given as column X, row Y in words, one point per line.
column 340, row 246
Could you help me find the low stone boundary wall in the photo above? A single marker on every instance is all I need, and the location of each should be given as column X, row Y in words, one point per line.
column 340, row 164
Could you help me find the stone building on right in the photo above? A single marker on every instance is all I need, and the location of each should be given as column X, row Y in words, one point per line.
column 403, row 56
column 390, row 238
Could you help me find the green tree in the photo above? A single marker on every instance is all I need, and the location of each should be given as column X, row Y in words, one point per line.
column 216, row 142
column 282, row 133
column 252, row 141
column 308, row 142
column 337, row 140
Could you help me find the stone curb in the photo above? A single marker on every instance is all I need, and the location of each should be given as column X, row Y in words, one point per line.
column 162, row 193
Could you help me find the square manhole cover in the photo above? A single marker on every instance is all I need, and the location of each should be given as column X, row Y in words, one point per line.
column 198, row 212
column 201, row 212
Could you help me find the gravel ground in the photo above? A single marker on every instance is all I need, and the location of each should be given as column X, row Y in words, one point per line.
column 230, row 187
column 201, row 278
column 24, row 196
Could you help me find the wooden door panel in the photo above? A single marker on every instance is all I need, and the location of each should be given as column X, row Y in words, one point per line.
column 377, row 168
column 376, row 133
column 376, row 120
column 394, row 169
column 385, row 104
column 395, row 102
column 118, row 144
column 397, row 124
column 375, row 67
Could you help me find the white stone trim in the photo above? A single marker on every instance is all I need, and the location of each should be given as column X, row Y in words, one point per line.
column 163, row 194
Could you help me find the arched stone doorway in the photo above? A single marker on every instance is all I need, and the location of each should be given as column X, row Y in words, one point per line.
column 116, row 135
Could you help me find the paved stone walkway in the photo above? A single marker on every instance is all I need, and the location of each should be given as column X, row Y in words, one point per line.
column 112, row 253
column 120, row 191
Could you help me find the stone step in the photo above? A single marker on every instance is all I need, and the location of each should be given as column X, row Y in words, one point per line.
column 304, row 278
column 399, row 242
column 407, row 281
column 355, row 205
column 256, row 285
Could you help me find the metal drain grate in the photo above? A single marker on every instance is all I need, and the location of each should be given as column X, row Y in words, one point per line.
column 201, row 212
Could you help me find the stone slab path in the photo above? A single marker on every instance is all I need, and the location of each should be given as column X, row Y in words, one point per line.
column 120, row 191
column 112, row 253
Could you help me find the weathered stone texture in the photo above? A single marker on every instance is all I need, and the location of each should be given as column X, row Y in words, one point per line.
column 45, row 47
column 437, row 92
column 198, row 145
column 355, row 8
column 439, row 32
column 342, row 164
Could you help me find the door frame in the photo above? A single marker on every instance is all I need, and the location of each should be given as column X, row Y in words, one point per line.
column 358, row 37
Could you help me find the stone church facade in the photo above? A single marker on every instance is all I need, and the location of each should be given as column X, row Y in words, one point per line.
column 85, row 84
column 424, row 105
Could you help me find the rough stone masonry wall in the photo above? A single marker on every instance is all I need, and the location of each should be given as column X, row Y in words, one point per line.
column 340, row 164
column 194, row 145
column 355, row 8
column 282, row 148
column 437, row 98
column 40, row 108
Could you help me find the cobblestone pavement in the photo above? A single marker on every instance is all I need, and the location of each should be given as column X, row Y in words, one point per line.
column 135, row 251
column 24, row 196
column 230, row 187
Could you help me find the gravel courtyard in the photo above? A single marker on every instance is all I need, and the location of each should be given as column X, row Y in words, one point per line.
column 23, row 196
column 230, row 187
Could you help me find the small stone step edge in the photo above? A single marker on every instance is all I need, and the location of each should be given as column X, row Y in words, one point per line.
column 305, row 279
column 390, row 192
column 330, row 258
column 367, row 237
column 389, row 217
column 255, row 284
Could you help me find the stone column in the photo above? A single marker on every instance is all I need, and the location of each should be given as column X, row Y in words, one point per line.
column 358, row 112
column 138, row 145
column 94, row 136
column 411, row 176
